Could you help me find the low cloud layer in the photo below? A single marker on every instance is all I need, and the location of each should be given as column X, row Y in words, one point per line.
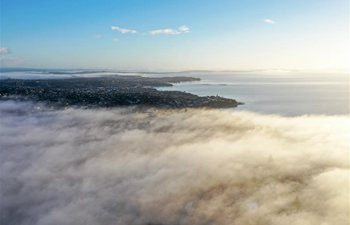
column 195, row 167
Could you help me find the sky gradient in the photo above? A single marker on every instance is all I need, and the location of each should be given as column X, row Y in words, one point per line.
column 176, row 35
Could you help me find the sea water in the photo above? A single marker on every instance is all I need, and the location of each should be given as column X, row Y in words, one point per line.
column 285, row 93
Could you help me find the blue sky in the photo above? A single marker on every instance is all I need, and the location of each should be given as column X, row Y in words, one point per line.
column 176, row 35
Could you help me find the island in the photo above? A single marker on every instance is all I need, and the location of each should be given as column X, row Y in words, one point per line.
column 109, row 91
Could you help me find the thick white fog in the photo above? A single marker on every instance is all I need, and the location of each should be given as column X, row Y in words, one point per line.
column 199, row 167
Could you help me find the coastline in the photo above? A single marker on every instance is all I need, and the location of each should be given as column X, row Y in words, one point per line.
column 109, row 91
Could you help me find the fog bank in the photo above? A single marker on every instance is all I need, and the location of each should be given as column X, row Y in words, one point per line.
column 200, row 167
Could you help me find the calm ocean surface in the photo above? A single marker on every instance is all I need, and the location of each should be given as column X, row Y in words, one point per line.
column 285, row 94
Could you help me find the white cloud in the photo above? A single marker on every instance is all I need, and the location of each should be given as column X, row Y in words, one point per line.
column 123, row 30
column 121, row 166
column 184, row 29
column 164, row 31
column 115, row 39
column 269, row 21
column 170, row 31
column 4, row 51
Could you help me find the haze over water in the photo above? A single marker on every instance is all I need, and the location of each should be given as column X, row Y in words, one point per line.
column 285, row 94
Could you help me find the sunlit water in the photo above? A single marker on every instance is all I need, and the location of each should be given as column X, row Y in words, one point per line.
column 286, row 94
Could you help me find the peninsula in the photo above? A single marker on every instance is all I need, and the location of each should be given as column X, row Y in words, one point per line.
column 109, row 91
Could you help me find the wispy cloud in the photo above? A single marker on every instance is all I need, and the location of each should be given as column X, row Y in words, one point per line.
column 123, row 30
column 269, row 21
column 115, row 39
column 163, row 31
column 170, row 31
column 4, row 51
column 184, row 29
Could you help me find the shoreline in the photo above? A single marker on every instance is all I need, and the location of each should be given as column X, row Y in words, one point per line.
column 110, row 91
